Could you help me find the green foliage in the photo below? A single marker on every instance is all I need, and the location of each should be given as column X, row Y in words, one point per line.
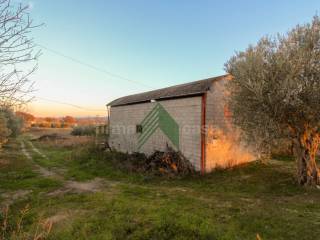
column 83, row 131
column 10, row 124
column 275, row 92
column 275, row 95
column 14, row 123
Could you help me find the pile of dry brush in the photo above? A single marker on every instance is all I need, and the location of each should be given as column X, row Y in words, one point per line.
column 168, row 163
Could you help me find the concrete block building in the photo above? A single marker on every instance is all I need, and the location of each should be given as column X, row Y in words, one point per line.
column 191, row 118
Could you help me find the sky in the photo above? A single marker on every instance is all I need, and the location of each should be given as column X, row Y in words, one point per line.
column 96, row 51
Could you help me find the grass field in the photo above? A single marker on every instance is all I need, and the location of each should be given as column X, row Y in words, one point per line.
column 86, row 197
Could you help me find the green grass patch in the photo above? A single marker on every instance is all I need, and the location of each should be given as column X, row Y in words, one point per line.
column 19, row 174
column 27, row 180
column 284, row 158
column 226, row 204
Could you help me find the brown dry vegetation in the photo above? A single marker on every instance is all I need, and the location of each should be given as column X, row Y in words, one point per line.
column 58, row 137
column 38, row 132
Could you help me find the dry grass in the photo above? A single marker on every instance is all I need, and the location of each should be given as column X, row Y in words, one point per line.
column 38, row 132
column 63, row 137
column 15, row 229
column 70, row 141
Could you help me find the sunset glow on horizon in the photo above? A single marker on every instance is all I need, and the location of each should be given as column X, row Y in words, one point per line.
column 44, row 109
column 110, row 49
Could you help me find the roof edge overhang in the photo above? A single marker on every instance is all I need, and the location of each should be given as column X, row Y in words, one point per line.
column 160, row 99
column 208, row 81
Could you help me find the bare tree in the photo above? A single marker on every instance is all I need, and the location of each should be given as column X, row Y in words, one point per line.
column 275, row 94
column 18, row 55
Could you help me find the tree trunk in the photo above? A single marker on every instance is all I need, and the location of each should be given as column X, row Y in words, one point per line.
column 306, row 147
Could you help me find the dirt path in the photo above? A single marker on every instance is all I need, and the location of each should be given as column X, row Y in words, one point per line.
column 69, row 186
column 24, row 151
column 41, row 170
column 93, row 185
column 36, row 150
column 12, row 196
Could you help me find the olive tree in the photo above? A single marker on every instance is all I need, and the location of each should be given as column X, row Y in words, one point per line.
column 275, row 94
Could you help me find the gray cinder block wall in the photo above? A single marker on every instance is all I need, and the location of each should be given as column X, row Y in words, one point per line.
column 185, row 111
column 219, row 146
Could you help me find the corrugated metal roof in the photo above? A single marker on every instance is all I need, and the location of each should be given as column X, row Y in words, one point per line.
column 182, row 90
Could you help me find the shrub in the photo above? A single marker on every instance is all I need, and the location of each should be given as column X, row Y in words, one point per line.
column 83, row 131
column 10, row 125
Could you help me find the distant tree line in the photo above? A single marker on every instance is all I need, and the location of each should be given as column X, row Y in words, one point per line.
column 51, row 122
